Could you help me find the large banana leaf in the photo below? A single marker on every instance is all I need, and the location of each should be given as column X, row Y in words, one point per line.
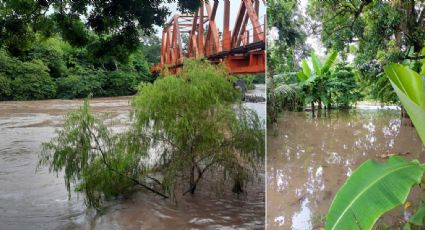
column 423, row 63
column 373, row 189
column 301, row 76
column 418, row 217
column 329, row 61
column 409, row 87
column 306, row 68
column 317, row 65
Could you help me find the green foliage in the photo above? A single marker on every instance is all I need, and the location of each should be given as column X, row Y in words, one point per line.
column 114, row 25
column 409, row 87
column 248, row 79
column 80, row 83
column 374, row 25
column 121, row 83
column 285, row 52
column 418, row 217
column 5, row 87
column 193, row 113
column 54, row 64
column 25, row 80
column 373, row 189
column 343, row 86
column 322, row 84
column 151, row 47
column 316, row 81
column 423, row 63
column 376, row 32
column 194, row 118
column 288, row 93
column 91, row 157
column 33, row 86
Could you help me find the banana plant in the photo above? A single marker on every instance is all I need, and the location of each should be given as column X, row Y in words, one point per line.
column 314, row 80
column 375, row 188
column 423, row 63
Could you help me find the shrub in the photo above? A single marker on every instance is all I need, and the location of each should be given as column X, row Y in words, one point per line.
column 80, row 83
column 5, row 87
column 120, row 83
column 32, row 86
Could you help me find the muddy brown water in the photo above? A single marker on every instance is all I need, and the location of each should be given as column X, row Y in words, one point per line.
column 309, row 159
column 39, row 200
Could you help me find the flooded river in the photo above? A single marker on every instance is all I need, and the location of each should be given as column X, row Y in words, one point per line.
column 309, row 159
column 39, row 200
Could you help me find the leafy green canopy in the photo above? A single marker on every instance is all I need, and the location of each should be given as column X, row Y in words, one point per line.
column 376, row 32
column 108, row 27
column 24, row 80
column 185, row 128
column 55, row 69
column 283, row 53
column 391, row 28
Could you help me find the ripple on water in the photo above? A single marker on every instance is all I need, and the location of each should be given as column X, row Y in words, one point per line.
column 310, row 159
column 30, row 200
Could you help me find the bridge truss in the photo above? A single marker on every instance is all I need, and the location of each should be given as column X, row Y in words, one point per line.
column 192, row 36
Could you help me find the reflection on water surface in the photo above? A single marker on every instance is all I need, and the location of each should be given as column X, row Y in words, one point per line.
column 309, row 159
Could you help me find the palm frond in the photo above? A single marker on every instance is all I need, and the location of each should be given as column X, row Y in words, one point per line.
column 287, row 90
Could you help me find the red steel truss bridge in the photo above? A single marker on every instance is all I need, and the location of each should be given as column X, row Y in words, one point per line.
column 197, row 35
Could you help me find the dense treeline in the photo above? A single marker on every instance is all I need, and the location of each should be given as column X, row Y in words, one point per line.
column 54, row 69
column 68, row 49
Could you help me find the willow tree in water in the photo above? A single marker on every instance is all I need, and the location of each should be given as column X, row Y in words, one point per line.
column 183, row 128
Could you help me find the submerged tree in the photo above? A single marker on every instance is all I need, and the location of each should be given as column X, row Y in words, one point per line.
column 183, row 129
column 315, row 81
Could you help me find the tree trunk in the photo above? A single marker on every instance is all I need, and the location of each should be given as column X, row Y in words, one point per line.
column 237, row 187
column 319, row 108
column 238, row 183
column 329, row 102
column 192, row 184
column 271, row 107
column 312, row 109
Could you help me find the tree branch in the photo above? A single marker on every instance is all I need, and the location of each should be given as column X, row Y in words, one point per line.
column 116, row 171
column 414, row 58
column 200, row 174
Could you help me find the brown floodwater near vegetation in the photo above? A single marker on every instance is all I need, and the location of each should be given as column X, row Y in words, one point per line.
column 309, row 159
column 39, row 200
